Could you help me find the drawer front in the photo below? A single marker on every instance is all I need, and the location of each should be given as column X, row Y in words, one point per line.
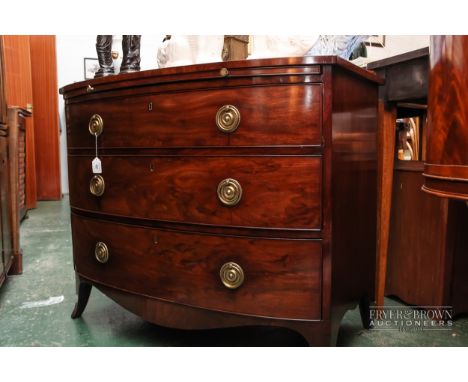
column 281, row 278
column 272, row 115
column 277, row 192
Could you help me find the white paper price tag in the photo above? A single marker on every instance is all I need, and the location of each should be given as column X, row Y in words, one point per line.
column 96, row 165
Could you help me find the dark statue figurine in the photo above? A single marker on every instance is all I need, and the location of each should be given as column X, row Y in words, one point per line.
column 131, row 55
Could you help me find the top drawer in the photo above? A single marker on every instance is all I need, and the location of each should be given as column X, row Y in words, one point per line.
column 266, row 116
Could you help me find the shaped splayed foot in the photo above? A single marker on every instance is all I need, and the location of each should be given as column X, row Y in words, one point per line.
column 84, row 290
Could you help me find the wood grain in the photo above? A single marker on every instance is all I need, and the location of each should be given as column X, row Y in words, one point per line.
column 18, row 87
column 278, row 192
column 304, row 231
column 447, row 135
column 353, row 190
column 184, row 268
column 279, row 115
column 417, row 242
column 386, row 137
column 270, row 67
column 44, row 89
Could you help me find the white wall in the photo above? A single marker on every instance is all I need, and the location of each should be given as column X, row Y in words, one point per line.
column 71, row 51
column 397, row 44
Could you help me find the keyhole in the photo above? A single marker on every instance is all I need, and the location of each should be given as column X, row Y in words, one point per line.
column 150, row 106
column 151, row 167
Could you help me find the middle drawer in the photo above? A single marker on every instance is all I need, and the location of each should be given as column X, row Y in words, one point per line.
column 273, row 192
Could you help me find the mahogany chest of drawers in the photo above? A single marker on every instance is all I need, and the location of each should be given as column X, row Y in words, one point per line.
column 238, row 193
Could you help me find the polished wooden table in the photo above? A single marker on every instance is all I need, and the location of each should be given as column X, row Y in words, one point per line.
column 406, row 82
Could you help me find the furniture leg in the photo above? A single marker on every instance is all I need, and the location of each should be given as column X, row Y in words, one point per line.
column 364, row 310
column 84, row 290
column 386, row 137
column 17, row 264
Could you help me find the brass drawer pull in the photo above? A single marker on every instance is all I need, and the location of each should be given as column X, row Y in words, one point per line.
column 229, row 192
column 96, row 125
column 97, row 185
column 231, row 275
column 224, row 72
column 101, row 252
column 228, row 118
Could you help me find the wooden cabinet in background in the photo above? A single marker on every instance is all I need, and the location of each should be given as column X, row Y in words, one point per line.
column 18, row 93
column 5, row 231
column 16, row 143
column 427, row 241
column 12, row 143
column 428, row 244
column 31, row 83
column 405, row 81
column 28, row 71
column 446, row 168
column 46, row 121
column 5, row 228
column 12, row 137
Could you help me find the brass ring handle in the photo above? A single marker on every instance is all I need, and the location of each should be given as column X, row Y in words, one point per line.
column 97, row 185
column 229, row 192
column 101, row 252
column 224, row 72
column 232, row 275
column 228, row 118
column 96, row 125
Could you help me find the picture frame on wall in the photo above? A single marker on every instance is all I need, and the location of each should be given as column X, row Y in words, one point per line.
column 91, row 66
column 376, row 41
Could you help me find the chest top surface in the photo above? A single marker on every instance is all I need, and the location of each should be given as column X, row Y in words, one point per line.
column 239, row 70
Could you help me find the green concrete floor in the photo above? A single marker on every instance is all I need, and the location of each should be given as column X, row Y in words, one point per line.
column 48, row 272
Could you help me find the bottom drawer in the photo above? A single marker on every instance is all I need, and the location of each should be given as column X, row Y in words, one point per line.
column 278, row 278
